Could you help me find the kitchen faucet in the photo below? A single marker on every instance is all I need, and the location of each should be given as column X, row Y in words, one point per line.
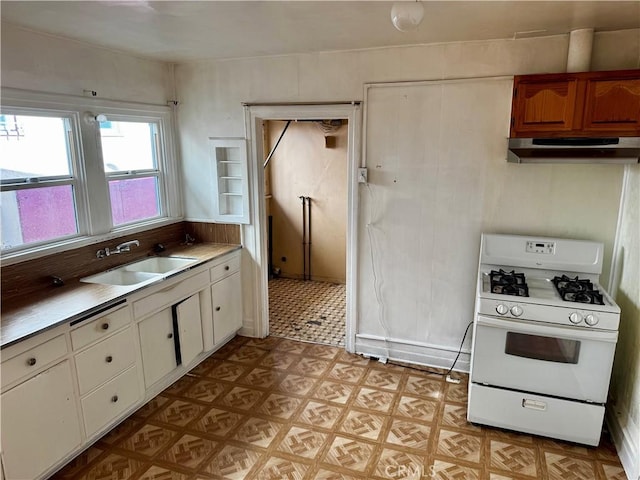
column 121, row 248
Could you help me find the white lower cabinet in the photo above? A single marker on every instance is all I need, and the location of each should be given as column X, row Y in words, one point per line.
column 189, row 326
column 108, row 402
column 170, row 338
column 227, row 306
column 40, row 423
column 158, row 346
column 64, row 387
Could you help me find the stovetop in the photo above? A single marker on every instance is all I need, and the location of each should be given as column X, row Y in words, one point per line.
column 516, row 281
column 576, row 289
column 543, row 301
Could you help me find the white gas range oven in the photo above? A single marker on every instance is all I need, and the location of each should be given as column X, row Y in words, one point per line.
column 544, row 337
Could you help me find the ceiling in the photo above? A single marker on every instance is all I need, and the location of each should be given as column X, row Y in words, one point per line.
column 178, row 31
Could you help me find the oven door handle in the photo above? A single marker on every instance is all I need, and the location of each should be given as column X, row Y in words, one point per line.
column 542, row 329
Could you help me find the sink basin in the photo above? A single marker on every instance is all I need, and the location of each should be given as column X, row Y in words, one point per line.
column 146, row 270
column 159, row 264
column 120, row 276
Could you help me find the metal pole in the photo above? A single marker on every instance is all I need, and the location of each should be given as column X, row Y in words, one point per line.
column 304, row 233
column 270, row 241
column 266, row 162
column 309, row 242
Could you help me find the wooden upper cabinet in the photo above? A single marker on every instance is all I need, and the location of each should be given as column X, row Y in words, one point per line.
column 612, row 105
column 576, row 104
column 544, row 104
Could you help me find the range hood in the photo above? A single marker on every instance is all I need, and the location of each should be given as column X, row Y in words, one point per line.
column 574, row 150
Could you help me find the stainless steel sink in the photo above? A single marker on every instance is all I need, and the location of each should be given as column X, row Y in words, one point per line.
column 142, row 271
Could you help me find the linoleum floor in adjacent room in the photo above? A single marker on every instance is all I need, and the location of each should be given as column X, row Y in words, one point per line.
column 307, row 310
column 282, row 409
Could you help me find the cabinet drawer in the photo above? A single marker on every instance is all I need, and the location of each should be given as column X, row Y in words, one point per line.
column 100, row 328
column 109, row 401
column 104, row 360
column 33, row 359
column 230, row 266
column 170, row 295
column 537, row 414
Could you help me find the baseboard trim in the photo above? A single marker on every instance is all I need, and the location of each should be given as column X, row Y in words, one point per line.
column 623, row 439
column 412, row 352
column 247, row 331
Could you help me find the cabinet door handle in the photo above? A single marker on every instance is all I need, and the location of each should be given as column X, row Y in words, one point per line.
column 31, row 361
column 226, row 267
column 109, row 359
column 170, row 335
column 217, row 309
column 114, row 399
column 105, row 326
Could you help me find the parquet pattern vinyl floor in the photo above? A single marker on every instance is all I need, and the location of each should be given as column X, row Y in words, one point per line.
column 281, row 409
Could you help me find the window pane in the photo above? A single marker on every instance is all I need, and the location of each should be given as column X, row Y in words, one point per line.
column 128, row 146
column 33, row 147
column 37, row 214
column 134, row 199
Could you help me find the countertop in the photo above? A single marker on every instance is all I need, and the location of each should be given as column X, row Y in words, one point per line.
column 25, row 317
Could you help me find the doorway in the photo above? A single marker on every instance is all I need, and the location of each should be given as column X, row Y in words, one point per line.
column 305, row 184
column 255, row 234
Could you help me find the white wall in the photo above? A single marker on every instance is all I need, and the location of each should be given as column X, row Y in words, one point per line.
column 212, row 92
column 625, row 382
column 301, row 165
column 46, row 63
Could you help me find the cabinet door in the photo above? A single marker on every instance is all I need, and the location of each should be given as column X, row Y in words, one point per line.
column 227, row 307
column 230, row 183
column 612, row 105
column 189, row 328
column 40, row 423
column 544, row 105
column 158, row 346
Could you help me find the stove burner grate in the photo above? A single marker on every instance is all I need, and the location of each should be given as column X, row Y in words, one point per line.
column 508, row 283
column 578, row 290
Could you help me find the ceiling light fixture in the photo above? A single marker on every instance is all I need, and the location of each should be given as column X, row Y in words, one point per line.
column 406, row 16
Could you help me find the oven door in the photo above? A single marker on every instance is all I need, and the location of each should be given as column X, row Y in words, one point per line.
column 567, row 362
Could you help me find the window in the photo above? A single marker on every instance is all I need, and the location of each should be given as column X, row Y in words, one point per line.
column 70, row 176
column 130, row 155
column 38, row 182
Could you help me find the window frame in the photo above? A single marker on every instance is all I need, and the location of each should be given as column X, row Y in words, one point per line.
column 91, row 188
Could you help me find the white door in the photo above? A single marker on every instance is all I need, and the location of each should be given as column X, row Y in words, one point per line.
column 40, row 423
column 227, row 306
column 189, row 328
column 158, row 346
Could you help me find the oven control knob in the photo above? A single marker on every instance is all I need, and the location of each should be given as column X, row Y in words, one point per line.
column 502, row 309
column 516, row 310
column 575, row 317
column 591, row 320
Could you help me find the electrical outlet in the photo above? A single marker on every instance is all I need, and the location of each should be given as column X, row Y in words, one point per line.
column 362, row 175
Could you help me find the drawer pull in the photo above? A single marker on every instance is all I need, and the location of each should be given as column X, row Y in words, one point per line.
column 109, row 359
column 217, row 309
column 534, row 404
column 170, row 335
column 114, row 399
column 31, row 361
column 105, row 326
column 226, row 267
